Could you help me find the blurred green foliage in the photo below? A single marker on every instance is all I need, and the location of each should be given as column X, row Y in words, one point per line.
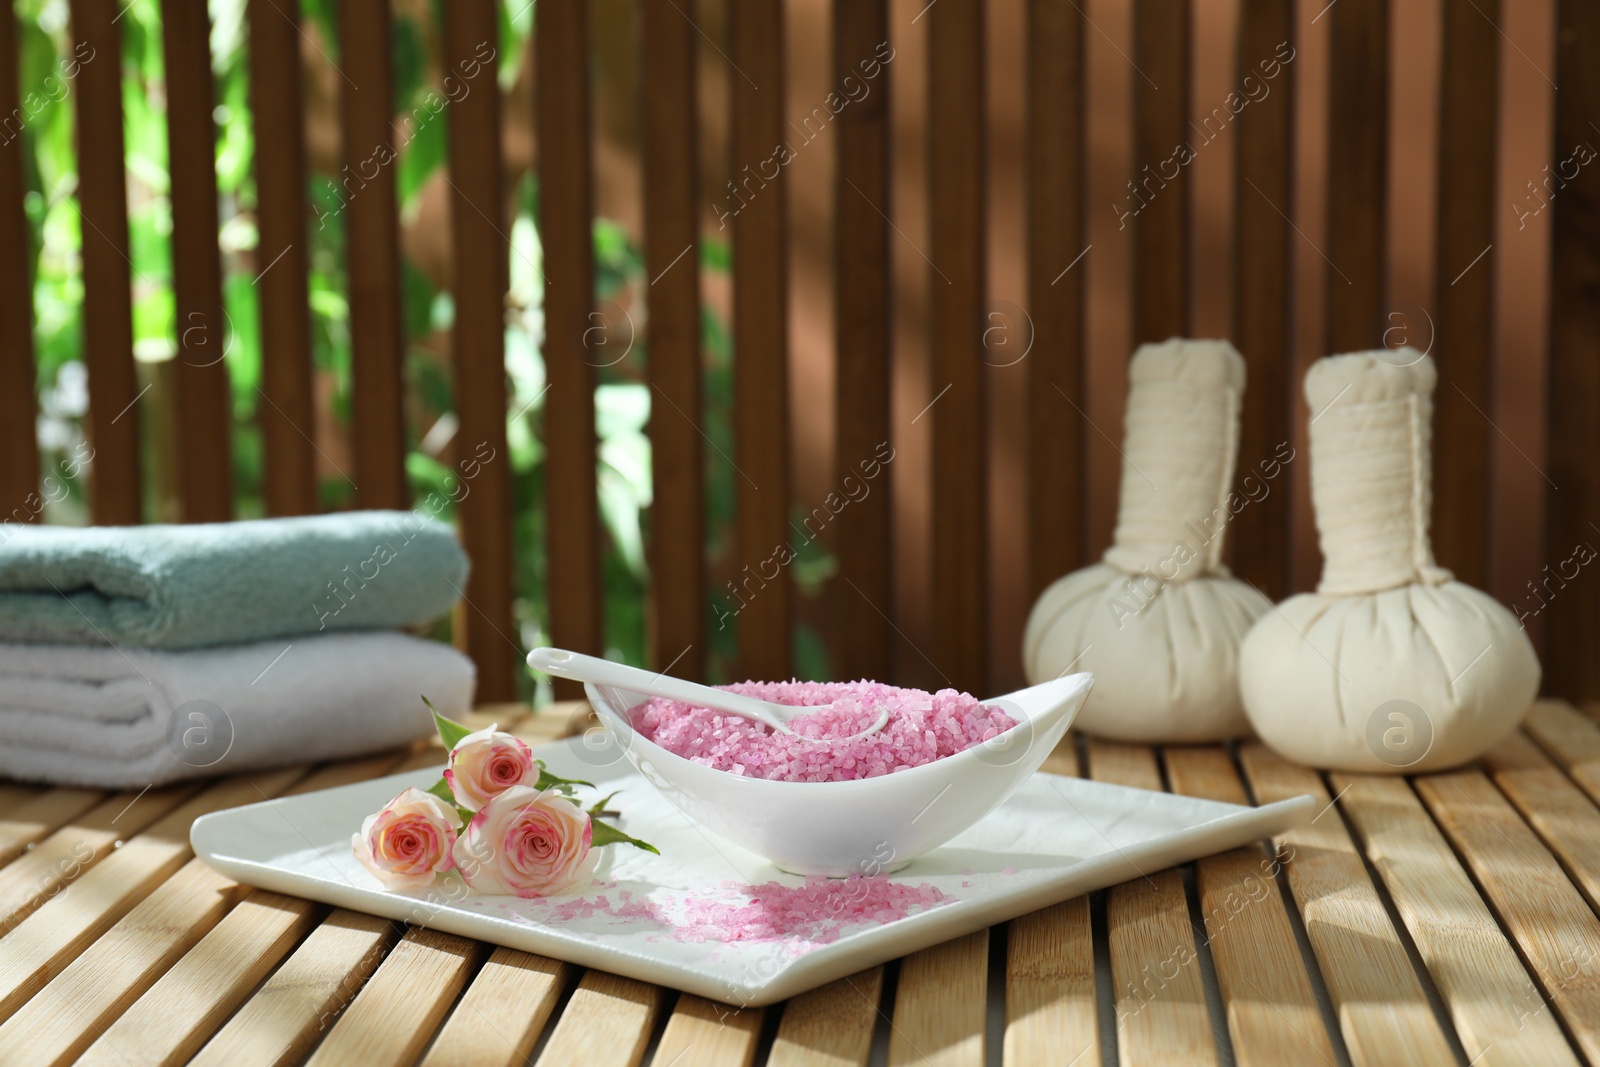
column 622, row 398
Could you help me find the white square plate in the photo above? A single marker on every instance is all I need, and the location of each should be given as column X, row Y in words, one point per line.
column 1054, row 839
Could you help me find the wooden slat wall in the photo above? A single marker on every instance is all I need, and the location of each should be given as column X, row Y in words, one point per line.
column 957, row 290
column 1573, row 627
column 860, row 638
column 288, row 484
column 205, row 430
column 672, row 264
column 472, row 39
column 114, row 417
column 372, row 233
column 1161, row 231
column 561, row 40
column 1056, row 273
column 760, row 337
column 864, row 304
column 1263, row 311
column 1358, row 130
column 19, row 473
column 1464, row 281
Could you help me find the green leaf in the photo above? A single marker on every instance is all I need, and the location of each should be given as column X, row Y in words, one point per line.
column 600, row 805
column 551, row 781
column 423, row 148
column 606, row 834
column 450, row 733
column 716, row 255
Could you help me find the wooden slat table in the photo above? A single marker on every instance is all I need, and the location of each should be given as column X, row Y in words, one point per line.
column 1446, row 919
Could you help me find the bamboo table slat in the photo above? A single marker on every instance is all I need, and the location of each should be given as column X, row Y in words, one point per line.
column 1384, row 1013
column 171, row 1020
column 1546, row 915
column 830, row 1026
column 607, row 1023
column 35, row 815
column 1266, row 987
column 1447, row 918
column 503, row 1012
column 1558, row 810
column 705, row 1032
column 939, row 1009
column 1162, row 1016
column 53, row 862
column 394, row 1016
column 1470, row 959
column 284, row 1019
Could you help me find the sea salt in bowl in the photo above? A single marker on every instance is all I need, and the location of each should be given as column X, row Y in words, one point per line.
column 829, row 742
column 866, row 826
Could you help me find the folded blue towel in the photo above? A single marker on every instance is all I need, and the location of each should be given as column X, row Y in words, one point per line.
column 227, row 582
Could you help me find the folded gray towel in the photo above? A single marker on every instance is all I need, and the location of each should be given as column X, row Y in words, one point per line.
column 128, row 718
column 226, row 582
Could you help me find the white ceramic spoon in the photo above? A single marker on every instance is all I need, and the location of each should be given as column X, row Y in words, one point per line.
column 577, row 667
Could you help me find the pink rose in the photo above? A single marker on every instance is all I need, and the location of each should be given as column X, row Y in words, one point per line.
column 528, row 843
column 409, row 841
column 485, row 764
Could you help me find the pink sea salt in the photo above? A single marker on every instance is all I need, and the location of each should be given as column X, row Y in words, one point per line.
column 802, row 917
column 922, row 727
column 816, row 911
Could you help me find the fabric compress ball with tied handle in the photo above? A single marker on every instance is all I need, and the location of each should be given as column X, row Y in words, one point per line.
column 1391, row 665
column 1160, row 620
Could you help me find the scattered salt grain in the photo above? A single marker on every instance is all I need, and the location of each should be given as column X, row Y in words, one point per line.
column 816, row 911
column 922, row 727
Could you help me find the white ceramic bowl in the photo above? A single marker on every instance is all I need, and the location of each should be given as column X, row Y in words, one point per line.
column 868, row 827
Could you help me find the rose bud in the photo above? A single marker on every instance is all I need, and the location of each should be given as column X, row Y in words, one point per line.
column 527, row 843
column 485, row 764
column 410, row 841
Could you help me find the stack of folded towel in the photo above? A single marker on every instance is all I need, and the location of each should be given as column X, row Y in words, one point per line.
column 132, row 656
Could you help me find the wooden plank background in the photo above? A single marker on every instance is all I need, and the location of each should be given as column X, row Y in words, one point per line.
column 107, row 281
column 760, row 338
column 1470, row 81
column 480, row 253
column 288, row 429
column 672, row 262
column 1056, row 239
column 1064, row 104
column 1358, row 145
column 862, row 320
column 1263, row 310
column 957, row 320
column 562, row 121
column 19, row 475
column 1161, row 230
column 365, row 65
column 1573, row 392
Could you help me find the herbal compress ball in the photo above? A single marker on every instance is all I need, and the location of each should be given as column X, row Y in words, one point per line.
column 1391, row 665
column 1160, row 620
